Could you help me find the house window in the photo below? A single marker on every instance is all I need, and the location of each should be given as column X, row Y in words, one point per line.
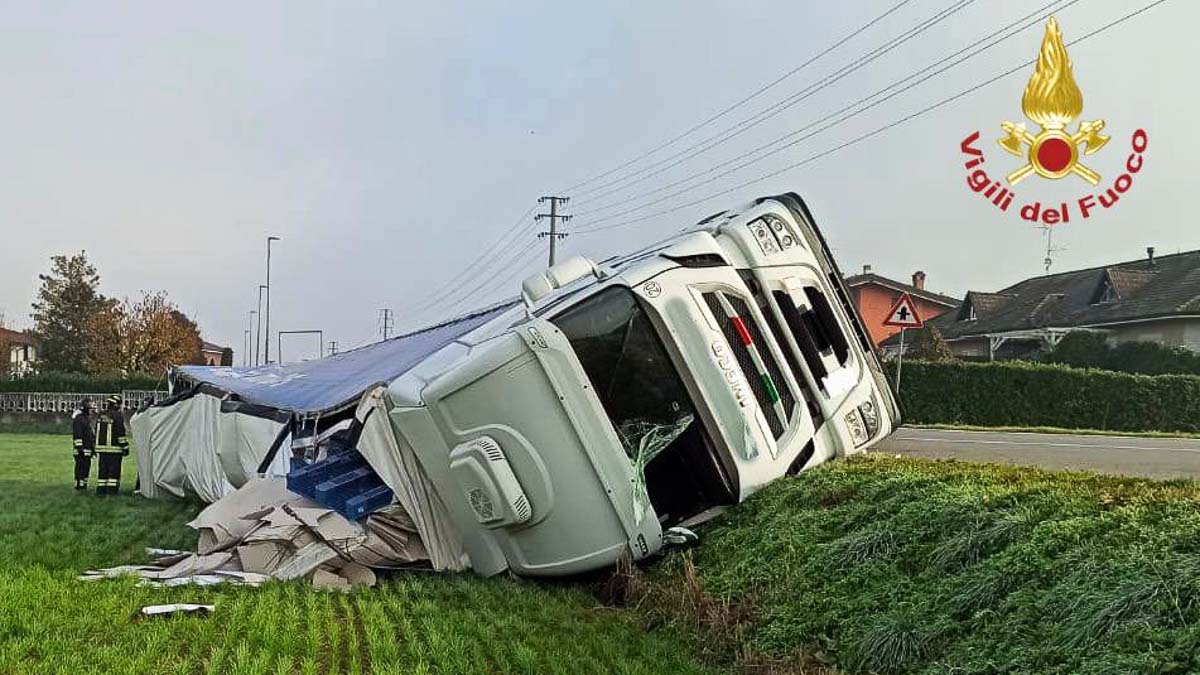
column 1107, row 294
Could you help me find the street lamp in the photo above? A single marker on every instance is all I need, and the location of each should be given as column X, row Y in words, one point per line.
column 254, row 322
column 246, row 345
column 258, row 325
column 267, row 330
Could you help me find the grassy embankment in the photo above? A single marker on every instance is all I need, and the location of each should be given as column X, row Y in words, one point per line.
column 1054, row 430
column 874, row 565
column 52, row 623
column 910, row 566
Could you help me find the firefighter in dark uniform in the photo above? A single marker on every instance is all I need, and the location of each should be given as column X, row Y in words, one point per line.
column 83, row 437
column 111, row 446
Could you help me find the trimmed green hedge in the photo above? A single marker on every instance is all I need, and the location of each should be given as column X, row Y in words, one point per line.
column 77, row 383
column 1016, row 393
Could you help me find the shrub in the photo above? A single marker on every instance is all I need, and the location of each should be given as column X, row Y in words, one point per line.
column 929, row 345
column 1015, row 393
column 1083, row 349
column 1151, row 358
column 81, row 384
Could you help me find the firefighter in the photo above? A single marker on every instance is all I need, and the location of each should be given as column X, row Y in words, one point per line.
column 83, row 437
column 111, row 446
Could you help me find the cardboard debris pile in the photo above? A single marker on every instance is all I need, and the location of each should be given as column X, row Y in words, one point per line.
column 262, row 531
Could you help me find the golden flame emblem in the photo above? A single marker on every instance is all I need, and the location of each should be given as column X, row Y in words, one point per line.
column 1053, row 101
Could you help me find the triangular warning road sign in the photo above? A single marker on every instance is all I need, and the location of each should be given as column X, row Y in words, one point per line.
column 904, row 314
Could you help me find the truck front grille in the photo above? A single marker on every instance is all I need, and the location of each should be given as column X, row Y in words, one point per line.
column 754, row 356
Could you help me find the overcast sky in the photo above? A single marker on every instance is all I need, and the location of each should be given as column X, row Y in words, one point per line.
column 391, row 144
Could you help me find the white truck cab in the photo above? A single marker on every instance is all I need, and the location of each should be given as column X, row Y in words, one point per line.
column 623, row 397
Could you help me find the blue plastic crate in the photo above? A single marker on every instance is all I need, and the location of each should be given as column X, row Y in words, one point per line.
column 344, row 482
column 372, row 500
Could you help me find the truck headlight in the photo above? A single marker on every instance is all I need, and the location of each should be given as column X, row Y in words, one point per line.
column 870, row 414
column 761, row 230
column 863, row 422
column 856, row 427
column 772, row 234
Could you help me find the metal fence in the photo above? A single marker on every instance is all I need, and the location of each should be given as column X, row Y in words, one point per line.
column 48, row 402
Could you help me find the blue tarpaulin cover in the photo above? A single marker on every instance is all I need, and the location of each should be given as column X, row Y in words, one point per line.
column 324, row 384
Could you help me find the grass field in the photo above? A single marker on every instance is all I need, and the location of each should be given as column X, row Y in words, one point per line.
column 1056, row 430
column 418, row 623
column 875, row 565
column 910, row 566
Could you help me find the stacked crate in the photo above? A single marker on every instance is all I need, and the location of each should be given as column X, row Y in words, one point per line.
column 344, row 482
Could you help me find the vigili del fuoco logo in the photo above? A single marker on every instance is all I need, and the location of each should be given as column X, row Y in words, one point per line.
column 1052, row 101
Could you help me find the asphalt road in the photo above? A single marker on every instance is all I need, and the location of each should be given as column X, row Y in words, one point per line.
column 1127, row 455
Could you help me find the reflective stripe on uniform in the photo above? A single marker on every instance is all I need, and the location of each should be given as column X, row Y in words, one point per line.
column 79, row 442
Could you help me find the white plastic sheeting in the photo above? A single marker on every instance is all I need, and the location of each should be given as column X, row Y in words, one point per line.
column 398, row 466
column 190, row 448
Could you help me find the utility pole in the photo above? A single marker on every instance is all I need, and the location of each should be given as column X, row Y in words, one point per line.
column 332, row 347
column 554, row 217
column 267, row 330
column 386, row 322
column 246, row 344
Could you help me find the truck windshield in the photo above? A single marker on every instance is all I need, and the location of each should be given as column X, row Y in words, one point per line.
column 675, row 464
column 625, row 361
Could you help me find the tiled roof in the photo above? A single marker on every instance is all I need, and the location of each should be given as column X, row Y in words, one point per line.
column 1169, row 287
column 871, row 278
column 13, row 337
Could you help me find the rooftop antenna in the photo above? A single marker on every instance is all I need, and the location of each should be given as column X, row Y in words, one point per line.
column 1050, row 248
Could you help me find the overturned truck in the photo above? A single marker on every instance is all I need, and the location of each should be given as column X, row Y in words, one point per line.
column 555, row 433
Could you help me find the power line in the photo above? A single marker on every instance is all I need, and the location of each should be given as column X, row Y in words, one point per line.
column 870, row 134
column 758, row 92
column 453, row 294
column 1047, row 10
column 748, row 123
column 449, row 288
column 516, row 265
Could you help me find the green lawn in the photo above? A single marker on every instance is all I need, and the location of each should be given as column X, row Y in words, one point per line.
column 911, row 566
column 874, row 565
column 1055, row 430
column 416, row 623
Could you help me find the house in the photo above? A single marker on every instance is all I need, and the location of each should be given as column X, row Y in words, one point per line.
column 1153, row 299
column 875, row 296
column 211, row 353
column 23, row 351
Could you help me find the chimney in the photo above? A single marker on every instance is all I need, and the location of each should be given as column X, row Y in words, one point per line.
column 1150, row 256
column 919, row 280
column 866, row 269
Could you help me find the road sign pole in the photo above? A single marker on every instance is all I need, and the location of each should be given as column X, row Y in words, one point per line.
column 900, row 361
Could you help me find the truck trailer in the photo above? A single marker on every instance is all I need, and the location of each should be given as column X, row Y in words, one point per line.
column 610, row 404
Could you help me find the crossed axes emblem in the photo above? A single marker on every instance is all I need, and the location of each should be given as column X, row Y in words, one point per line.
column 1053, row 153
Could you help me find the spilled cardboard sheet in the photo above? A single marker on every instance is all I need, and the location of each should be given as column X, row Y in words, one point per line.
column 261, row 532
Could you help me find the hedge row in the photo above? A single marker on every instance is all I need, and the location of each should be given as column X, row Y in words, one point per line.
column 1017, row 393
column 78, row 383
